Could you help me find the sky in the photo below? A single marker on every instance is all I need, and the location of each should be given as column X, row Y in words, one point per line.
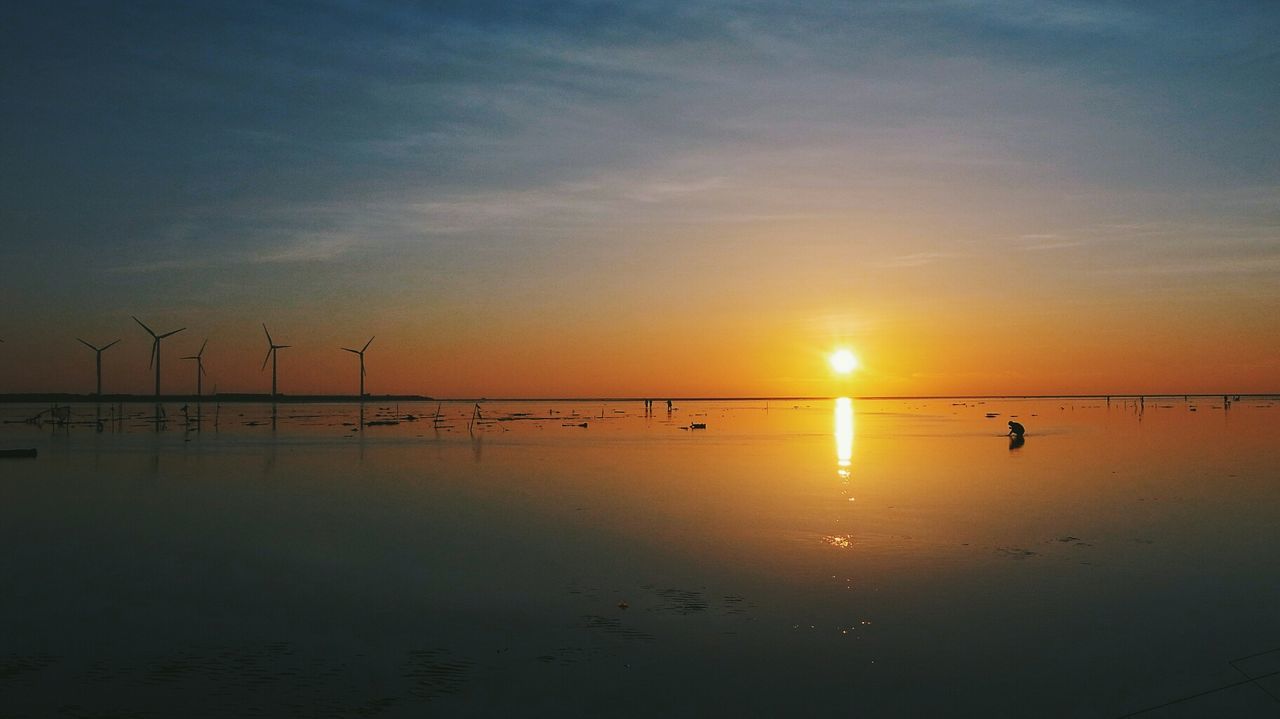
column 688, row 198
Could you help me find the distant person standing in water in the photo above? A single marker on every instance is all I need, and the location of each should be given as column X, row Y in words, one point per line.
column 1016, row 429
column 668, row 406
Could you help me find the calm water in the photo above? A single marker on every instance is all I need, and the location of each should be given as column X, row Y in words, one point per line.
column 872, row 558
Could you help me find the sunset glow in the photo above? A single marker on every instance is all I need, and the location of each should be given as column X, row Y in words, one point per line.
column 589, row 205
column 629, row 359
column 843, row 361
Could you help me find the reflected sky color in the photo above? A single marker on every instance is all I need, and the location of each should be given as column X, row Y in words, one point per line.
column 498, row 557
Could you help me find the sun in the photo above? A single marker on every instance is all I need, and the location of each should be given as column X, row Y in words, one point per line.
column 843, row 361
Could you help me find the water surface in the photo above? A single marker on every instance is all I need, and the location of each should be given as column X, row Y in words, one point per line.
column 873, row 558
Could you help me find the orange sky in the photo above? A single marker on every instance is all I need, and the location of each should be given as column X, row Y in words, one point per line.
column 692, row 200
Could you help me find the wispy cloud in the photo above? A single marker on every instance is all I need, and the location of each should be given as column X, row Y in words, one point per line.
column 307, row 248
column 1268, row 264
column 914, row 259
column 153, row 266
column 1042, row 242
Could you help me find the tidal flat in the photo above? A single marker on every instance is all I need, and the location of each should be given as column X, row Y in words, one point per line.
column 871, row 558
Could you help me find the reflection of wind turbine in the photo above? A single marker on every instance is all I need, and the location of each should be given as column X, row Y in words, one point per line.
column 98, row 357
column 360, row 352
column 199, row 358
column 155, row 348
column 271, row 355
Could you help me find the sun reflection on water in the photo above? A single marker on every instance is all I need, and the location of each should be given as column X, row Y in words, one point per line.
column 844, row 436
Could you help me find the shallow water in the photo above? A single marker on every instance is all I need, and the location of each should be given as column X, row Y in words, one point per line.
column 874, row 558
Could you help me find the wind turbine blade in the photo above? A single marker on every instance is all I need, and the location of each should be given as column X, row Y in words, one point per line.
column 166, row 334
column 86, row 344
column 280, row 347
column 201, row 352
column 366, row 345
column 148, row 329
column 264, row 329
column 348, row 349
column 201, row 366
column 191, row 357
column 110, row 345
column 268, row 357
column 155, row 349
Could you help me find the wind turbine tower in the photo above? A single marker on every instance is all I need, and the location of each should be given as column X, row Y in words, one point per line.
column 155, row 348
column 97, row 351
column 360, row 352
column 271, row 356
column 199, row 358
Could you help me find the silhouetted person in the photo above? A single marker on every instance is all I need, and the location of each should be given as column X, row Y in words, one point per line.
column 1016, row 430
column 668, row 406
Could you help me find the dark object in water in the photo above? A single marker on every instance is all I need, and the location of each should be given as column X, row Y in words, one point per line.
column 1016, row 429
column 697, row 425
column 380, row 423
column 17, row 453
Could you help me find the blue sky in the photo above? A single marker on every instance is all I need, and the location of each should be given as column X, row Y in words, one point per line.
column 242, row 162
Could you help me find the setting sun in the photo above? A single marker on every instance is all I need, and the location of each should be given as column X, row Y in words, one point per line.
column 843, row 361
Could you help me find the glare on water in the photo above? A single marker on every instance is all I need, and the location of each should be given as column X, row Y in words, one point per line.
column 573, row 553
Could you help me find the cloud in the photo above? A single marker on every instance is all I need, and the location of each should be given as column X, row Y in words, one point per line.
column 475, row 133
column 313, row 248
column 1042, row 242
column 1267, row 264
column 914, row 259
column 155, row 266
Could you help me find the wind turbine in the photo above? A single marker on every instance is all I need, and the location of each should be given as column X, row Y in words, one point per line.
column 271, row 355
column 360, row 352
column 98, row 357
column 155, row 349
column 198, row 357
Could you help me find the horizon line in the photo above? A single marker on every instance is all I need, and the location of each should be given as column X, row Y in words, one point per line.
column 16, row 397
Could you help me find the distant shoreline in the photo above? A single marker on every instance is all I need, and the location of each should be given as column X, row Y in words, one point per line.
column 45, row 397
column 57, row 397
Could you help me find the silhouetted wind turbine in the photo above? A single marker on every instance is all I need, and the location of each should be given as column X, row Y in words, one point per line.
column 360, row 352
column 155, row 348
column 198, row 357
column 98, row 359
column 271, row 355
